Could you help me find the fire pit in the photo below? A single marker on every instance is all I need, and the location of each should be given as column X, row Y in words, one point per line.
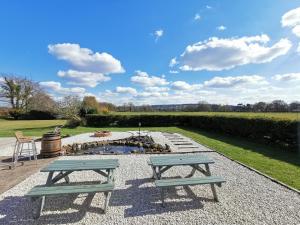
column 102, row 133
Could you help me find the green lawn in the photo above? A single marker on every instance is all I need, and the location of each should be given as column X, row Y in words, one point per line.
column 282, row 165
column 278, row 116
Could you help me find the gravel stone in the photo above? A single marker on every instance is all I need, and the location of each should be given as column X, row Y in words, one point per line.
column 245, row 198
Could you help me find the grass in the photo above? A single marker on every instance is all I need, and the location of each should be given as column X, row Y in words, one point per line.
column 278, row 116
column 281, row 165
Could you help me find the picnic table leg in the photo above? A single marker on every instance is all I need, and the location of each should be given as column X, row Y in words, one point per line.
column 162, row 190
column 154, row 176
column 162, row 194
column 49, row 179
column 107, row 196
column 213, row 188
column 40, row 206
column 192, row 173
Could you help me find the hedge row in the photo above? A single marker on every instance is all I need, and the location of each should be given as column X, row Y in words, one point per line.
column 279, row 132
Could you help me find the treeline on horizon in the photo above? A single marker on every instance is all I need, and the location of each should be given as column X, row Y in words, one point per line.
column 25, row 98
column 274, row 106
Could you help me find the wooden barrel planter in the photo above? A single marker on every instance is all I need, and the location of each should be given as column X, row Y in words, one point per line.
column 51, row 145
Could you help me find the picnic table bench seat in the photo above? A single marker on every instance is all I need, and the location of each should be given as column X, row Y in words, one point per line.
column 38, row 193
column 189, row 181
column 44, row 190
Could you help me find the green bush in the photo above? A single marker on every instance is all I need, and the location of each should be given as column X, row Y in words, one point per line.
column 32, row 115
column 283, row 133
column 74, row 122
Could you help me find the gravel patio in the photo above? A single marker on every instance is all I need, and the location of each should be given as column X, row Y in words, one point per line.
column 246, row 198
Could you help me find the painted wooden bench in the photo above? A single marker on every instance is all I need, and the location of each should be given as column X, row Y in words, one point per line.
column 165, row 183
column 161, row 164
column 38, row 193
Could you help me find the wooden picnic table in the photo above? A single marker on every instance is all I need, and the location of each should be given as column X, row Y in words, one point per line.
column 160, row 164
column 104, row 167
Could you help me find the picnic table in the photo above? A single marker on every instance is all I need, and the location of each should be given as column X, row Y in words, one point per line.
column 104, row 167
column 161, row 164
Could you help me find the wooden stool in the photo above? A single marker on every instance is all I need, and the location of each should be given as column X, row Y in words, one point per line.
column 19, row 149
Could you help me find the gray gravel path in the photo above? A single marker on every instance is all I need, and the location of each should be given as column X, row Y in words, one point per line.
column 246, row 198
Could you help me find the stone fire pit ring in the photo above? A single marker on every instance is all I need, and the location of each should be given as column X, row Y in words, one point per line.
column 102, row 133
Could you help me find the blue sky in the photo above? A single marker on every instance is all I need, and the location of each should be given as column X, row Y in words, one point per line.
column 121, row 51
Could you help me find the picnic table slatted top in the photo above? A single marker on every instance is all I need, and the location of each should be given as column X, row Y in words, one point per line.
column 77, row 165
column 180, row 160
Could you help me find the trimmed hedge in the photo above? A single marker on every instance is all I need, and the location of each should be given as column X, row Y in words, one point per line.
column 284, row 133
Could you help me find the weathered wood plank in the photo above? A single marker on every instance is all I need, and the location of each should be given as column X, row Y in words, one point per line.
column 189, row 181
column 179, row 160
column 69, row 189
column 77, row 165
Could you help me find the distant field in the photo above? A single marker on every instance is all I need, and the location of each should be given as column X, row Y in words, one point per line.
column 282, row 116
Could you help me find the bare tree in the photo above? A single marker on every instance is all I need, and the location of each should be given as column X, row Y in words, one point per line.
column 69, row 107
column 41, row 101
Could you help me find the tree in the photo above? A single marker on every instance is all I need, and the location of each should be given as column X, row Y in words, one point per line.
column 295, row 106
column 17, row 91
column 41, row 101
column 278, row 106
column 204, row 107
column 260, row 107
column 89, row 106
column 69, row 107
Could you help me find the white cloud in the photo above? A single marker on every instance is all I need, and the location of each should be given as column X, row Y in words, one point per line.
column 1, row 80
column 182, row 85
column 142, row 78
column 208, row 7
column 296, row 30
column 197, row 17
column 173, row 62
column 157, row 89
column 158, row 34
column 298, row 49
column 173, row 71
column 229, row 81
column 152, row 94
column 291, row 18
column 126, row 90
column 80, row 78
column 57, row 88
column 85, row 59
column 217, row 54
column 287, row 77
column 221, row 28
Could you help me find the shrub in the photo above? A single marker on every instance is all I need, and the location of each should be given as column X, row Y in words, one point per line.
column 15, row 113
column 283, row 133
column 32, row 115
column 75, row 121
column 38, row 115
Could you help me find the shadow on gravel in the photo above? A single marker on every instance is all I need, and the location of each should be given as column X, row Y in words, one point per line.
column 146, row 200
column 18, row 210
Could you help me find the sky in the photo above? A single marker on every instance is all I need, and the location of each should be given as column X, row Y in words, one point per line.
column 155, row 52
